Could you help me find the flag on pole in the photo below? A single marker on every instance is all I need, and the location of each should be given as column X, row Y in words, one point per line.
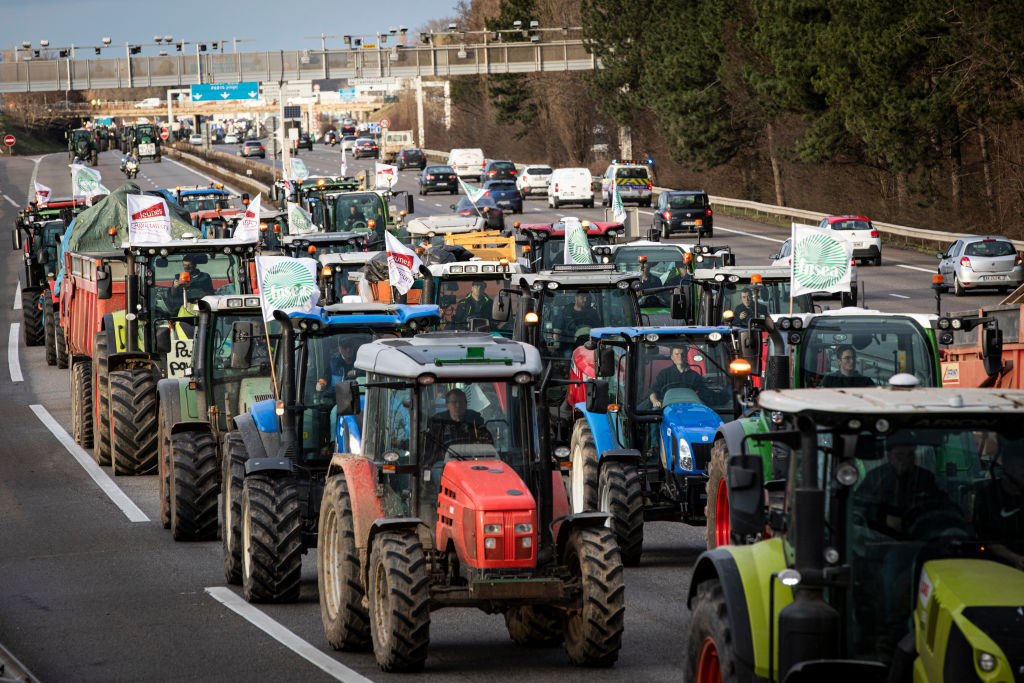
column 387, row 175
column 85, row 181
column 474, row 193
column 577, row 248
column 403, row 263
column 344, row 162
column 618, row 209
column 149, row 219
column 299, row 220
column 287, row 284
column 299, row 170
column 42, row 194
column 249, row 227
column 821, row 263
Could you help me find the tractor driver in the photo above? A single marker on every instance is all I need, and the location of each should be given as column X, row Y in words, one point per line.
column 744, row 310
column 679, row 375
column 476, row 304
column 847, row 375
column 581, row 314
column 456, row 424
column 355, row 218
column 195, row 283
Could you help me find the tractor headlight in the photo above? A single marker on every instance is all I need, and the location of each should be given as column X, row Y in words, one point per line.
column 986, row 662
column 524, row 528
column 685, row 456
column 492, row 528
column 490, row 543
column 847, row 474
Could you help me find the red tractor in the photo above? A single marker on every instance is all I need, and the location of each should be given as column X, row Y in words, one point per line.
column 547, row 240
column 453, row 501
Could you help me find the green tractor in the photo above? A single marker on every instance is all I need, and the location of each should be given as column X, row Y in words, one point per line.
column 82, row 145
column 896, row 554
column 230, row 370
column 145, row 142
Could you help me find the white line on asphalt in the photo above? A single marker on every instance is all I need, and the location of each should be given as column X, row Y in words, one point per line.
column 208, row 178
column 17, row 296
column 923, row 270
column 12, row 354
column 260, row 620
column 12, row 201
column 898, row 296
column 106, row 484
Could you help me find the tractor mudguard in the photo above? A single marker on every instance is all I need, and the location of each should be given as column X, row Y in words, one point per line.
column 837, row 669
column 282, row 465
column 600, row 426
column 389, row 524
column 733, row 434
column 367, row 507
column 121, row 361
column 621, row 455
column 108, row 329
column 562, row 527
column 168, row 393
column 251, row 437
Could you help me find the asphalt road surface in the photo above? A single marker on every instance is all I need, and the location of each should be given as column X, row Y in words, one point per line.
column 93, row 588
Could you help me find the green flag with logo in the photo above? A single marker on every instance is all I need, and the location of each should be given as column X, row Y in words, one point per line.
column 299, row 220
column 287, row 284
column 821, row 263
column 577, row 248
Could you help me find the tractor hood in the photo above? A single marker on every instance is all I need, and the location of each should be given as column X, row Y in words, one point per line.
column 489, row 485
column 696, row 424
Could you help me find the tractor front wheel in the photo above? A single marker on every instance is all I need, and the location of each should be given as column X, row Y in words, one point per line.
column 593, row 629
column 101, row 411
column 716, row 533
column 346, row 621
column 133, row 421
column 584, row 475
column 61, row 347
column 399, row 600
column 271, row 538
column 233, row 479
column 32, row 319
column 81, row 403
column 194, row 486
column 620, row 495
column 710, row 648
column 535, row 625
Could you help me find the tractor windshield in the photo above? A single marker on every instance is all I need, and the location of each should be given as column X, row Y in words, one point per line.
column 850, row 351
column 568, row 315
column 467, row 304
column 204, row 202
column 665, row 262
column 770, row 298
column 234, row 390
column 552, row 251
column 355, row 210
column 918, row 494
column 176, row 281
column 688, row 370
column 341, row 284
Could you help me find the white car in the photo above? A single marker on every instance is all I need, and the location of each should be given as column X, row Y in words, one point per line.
column 195, row 139
column 860, row 233
column 982, row 261
column 348, row 143
column 571, row 186
column 533, row 180
column 230, row 139
column 784, row 257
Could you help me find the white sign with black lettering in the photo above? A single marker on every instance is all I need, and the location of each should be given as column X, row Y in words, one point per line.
column 180, row 357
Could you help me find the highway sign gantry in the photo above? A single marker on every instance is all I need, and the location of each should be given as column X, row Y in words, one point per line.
column 221, row 92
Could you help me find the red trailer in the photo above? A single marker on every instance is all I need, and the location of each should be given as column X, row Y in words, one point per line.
column 963, row 363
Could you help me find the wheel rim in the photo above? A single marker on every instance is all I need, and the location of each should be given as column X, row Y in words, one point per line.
column 709, row 669
column 722, row 514
column 331, row 584
column 380, row 605
column 229, row 536
column 246, row 541
column 577, row 480
column 604, row 503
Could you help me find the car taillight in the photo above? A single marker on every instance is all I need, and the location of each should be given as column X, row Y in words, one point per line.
column 487, row 194
column 708, row 212
column 874, row 233
column 465, row 213
column 1016, row 259
column 965, row 262
column 650, row 185
column 491, row 172
column 667, row 215
column 430, row 177
column 556, row 187
column 512, row 172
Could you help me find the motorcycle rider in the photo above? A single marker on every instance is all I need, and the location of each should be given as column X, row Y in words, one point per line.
column 125, row 161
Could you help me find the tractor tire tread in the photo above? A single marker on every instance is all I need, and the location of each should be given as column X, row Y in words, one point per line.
column 194, row 486
column 401, row 632
column 271, row 502
column 133, row 421
column 593, row 632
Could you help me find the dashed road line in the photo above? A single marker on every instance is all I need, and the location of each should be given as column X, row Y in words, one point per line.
column 17, row 296
column 923, row 270
column 13, row 203
column 899, row 296
column 106, row 484
column 12, row 354
column 275, row 630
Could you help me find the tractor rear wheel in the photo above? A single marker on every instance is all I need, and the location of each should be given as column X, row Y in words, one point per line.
column 716, row 533
column 584, row 475
column 61, row 347
column 194, row 486
column 49, row 334
column 101, row 395
column 233, row 478
column 399, row 599
column 271, row 538
column 620, row 495
column 593, row 631
column 346, row 621
column 133, row 421
column 535, row 625
column 81, row 406
column 32, row 319
column 710, row 648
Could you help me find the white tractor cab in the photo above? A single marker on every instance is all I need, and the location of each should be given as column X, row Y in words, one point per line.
column 666, row 260
column 720, row 295
column 784, row 257
column 466, row 291
column 340, row 274
column 429, row 231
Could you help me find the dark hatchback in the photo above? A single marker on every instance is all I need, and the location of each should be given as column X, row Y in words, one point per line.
column 411, row 157
column 683, row 211
column 365, row 147
column 304, row 141
column 485, row 207
column 253, row 148
column 500, row 170
column 438, row 179
column 505, row 194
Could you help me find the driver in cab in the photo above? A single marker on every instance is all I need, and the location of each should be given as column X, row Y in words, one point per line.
column 679, row 375
column 355, row 218
column 193, row 282
column 897, row 486
column 456, row 424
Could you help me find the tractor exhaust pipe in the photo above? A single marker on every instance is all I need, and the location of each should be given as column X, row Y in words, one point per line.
column 289, row 445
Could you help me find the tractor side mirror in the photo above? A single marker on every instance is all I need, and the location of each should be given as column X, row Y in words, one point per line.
column 163, row 339
column 104, row 284
column 745, row 479
column 992, row 349
column 502, row 308
column 681, row 305
column 16, row 239
column 605, row 361
column 241, row 345
column 346, row 396
column 750, row 344
column 409, row 205
column 597, row 396
column 729, row 259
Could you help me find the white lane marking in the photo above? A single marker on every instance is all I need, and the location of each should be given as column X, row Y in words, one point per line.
column 14, row 203
column 12, row 354
column 260, row 620
column 17, row 296
column 106, row 484
column 923, row 270
column 898, row 296
column 208, row 178
column 32, row 187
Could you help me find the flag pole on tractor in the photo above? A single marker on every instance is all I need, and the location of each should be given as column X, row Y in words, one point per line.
column 473, row 193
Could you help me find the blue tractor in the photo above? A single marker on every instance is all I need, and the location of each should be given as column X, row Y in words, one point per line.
column 642, row 437
column 278, row 457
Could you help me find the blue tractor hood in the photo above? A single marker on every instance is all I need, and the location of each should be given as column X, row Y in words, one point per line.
column 694, row 422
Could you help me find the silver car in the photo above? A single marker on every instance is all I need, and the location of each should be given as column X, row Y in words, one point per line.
column 983, row 261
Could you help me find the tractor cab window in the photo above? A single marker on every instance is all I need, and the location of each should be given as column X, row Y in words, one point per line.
column 220, row 348
column 553, row 250
column 665, row 263
column 865, row 351
column 354, row 211
column 387, row 432
column 770, row 298
column 466, row 303
column 568, row 315
column 176, row 281
column 680, row 371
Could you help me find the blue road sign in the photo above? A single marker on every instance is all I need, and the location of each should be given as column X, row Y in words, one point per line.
column 220, row 92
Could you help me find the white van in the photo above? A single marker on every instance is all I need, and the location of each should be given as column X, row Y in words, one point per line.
column 467, row 163
column 571, row 186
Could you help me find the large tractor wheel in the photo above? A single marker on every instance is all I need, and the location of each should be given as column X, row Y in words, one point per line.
column 81, row 403
column 233, row 478
column 49, row 333
column 710, row 646
column 620, row 495
column 593, row 630
column 194, row 486
column 32, row 319
column 535, row 625
column 346, row 621
column 583, row 455
column 271, row 538
column 399, row 598
column 133, row 421
column 163, row 469
column 61, row 347
column 101, row 409
column 717, row 509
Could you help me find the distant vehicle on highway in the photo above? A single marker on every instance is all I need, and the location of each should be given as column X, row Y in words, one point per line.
column 534, row 180
column 438, row 179
column 348, row 142
column 505, row 194
column 230, row 139
column 195, row 139
column 149, row 103
column 304, row 141
column 683, row 211
column 500, row 170
column 411, row 157
column 983, row 261
column 253, row 148
column 365, row 147
column 865, row 241
column 485, row 207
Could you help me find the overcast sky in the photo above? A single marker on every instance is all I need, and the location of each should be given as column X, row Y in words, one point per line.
column 271, row 24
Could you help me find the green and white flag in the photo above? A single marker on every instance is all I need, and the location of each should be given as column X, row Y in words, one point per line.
column 821, row 263
column 577, row 248
column 618, row 209
column 474, row 193
column 85, row 182
column 299, row 220
column 299, row 170
column 287, row 284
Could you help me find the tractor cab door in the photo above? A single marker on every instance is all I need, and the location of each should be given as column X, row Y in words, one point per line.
column 387, row 442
